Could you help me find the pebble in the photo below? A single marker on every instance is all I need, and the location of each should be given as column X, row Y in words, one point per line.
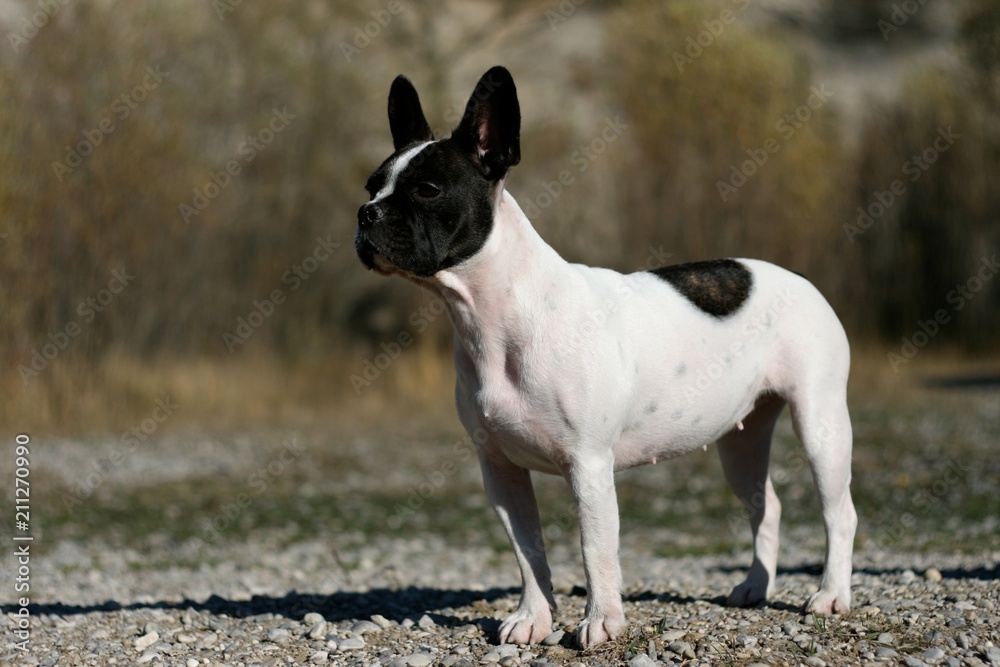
column 746, row 641
column 886, row 638
column 191, row 662
column 910, row 661
column 554, row 638
column 642, row 660
column 363, row 627
column 993, row 656
column 147, row 640
column 418, row 660
column 933, row 655
column 885, row 652
column 277, row 635
column 317, row 631
column 673, row 635
column 932, row 574
column 426, row 622
column 813, row 661
column 381, row 621
column 351, row 644
column 319, row 657
column 682, row 649
column 312, row 618
column 148, row 656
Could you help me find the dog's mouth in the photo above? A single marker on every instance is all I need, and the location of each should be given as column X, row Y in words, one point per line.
column 371, row 257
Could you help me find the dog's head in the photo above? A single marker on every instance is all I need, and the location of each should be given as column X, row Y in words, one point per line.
column 432, row 201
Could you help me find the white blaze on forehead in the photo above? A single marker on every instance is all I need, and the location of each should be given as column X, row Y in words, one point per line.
column 397, row 168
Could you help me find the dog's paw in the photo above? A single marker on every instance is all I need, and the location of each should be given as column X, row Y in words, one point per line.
column 827, row 603
column 524, row 627
column 748, row 594
column 593, row 631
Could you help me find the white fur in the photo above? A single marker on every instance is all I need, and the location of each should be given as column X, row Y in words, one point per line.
column 580, row 371
column 397, row 168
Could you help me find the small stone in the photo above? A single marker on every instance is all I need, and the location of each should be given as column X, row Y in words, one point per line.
column 362, row 627
column 277, row 635
column 791, row 628
column 351, row 644
column 147, row 640
column 886, row 652
column 318, row 631
column 886, row 638
column 642, row 660
column 426, row 622
column 319, row 657
column 682, row 649
column 185, row 638
column 802, row 640
column 407, row 623
column 554, row 638
column 381, row 621
column 932, row 574
column 673, row 635
column 509, row 661
column 963, row 640
column 746, row 641
column 910, row 661
column 148, row 656
column 908, row 576
column 150, row 627
column 331, row 645
column 993, row 656
column 815, row 662
column 191, row 662
column 933, row 655
column 418, row 660
column 312, row 618
column 956, row 622
column 491, row 658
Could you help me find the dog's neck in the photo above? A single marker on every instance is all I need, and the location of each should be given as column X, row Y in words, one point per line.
column 491, row 296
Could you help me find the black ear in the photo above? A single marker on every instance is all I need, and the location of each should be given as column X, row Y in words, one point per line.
column 491, row 126
column 406, row 118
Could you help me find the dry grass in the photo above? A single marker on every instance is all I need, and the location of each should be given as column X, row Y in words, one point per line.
column 75, row 399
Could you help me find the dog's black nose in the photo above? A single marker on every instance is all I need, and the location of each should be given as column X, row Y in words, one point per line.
column 369, row 213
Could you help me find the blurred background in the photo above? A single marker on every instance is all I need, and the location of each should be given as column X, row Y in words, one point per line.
column 179, row 181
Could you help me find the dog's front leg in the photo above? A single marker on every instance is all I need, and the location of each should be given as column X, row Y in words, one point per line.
column 593, row 483
column 513, row 497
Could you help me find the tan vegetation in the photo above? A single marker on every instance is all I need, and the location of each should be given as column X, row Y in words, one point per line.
column 216, row 153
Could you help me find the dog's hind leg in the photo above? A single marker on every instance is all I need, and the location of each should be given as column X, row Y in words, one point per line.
column 822, row 422
column 744, row 454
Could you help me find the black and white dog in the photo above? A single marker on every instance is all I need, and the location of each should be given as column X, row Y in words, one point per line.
column 580, row 371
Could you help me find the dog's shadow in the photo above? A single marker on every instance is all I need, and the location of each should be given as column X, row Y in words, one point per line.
column 394, row 604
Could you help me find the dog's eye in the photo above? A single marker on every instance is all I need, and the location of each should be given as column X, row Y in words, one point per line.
column 427, row 191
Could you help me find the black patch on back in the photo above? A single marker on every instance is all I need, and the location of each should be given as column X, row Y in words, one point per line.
column 719, row 286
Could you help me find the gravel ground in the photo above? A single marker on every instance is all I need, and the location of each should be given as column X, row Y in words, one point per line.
column 143, row 564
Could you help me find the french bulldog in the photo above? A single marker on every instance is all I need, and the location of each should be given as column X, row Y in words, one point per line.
column 580, row 371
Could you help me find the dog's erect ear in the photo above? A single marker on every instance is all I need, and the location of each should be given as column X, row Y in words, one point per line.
column 406, row 118
column 491, row 126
